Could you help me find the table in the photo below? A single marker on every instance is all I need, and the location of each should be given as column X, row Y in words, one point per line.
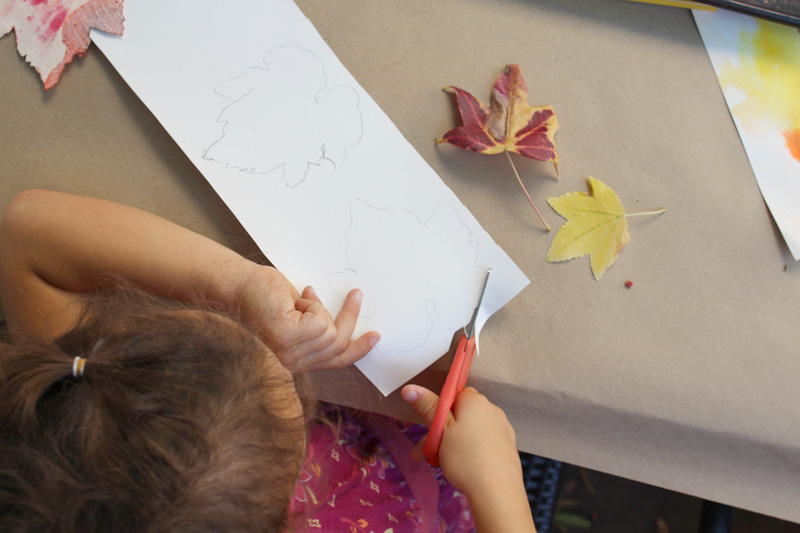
column 687, row 380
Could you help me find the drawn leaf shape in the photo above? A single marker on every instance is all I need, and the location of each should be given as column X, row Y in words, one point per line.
column 596, row 225
column 509, row 125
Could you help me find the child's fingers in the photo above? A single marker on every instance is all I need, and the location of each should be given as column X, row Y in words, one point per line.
column 343, row 325
column 348, row 315
column 314, row 329
column 308, row 300
column 304, row 305
column 422, row 400
column 335, row 357
column 424, row 403
column 468, row 397
column 355, row 350
column 344, row 350
column 310, row 294
column 328, row 342
column 314, row 318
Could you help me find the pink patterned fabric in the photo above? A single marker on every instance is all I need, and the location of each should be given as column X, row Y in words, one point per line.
column 351, row 482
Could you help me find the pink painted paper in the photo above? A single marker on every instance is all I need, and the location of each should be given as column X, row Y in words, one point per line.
column 50, row 33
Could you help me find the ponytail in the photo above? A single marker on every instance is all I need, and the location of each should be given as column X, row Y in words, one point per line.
column 148, row 413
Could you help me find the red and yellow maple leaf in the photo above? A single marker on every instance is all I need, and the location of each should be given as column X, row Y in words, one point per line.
column 509, row 125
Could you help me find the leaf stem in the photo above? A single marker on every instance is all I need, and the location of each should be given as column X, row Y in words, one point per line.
column 546, row 225
column 656, row 212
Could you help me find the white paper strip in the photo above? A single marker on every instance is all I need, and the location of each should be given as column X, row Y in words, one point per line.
column 318, row 175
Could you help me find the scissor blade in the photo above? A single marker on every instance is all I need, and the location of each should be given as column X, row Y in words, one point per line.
column 471, row 328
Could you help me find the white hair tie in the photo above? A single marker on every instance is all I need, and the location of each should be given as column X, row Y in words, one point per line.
column 77, row 366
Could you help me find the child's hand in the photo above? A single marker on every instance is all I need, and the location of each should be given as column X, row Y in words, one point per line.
column 479, row 445
column 479, row 457
column 58, row 247
column 298, row 328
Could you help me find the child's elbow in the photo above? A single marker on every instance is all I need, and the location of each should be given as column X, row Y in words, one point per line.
column 17, row 215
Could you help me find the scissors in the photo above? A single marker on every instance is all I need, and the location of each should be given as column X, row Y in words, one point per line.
column 454, row 384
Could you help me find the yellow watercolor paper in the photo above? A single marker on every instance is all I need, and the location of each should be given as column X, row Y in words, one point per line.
column 769, row 74
column 757, row 64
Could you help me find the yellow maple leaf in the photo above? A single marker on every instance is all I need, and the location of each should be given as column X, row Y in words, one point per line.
column 596, row 225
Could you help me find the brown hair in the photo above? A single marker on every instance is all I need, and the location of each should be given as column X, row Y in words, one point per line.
column 173, row 425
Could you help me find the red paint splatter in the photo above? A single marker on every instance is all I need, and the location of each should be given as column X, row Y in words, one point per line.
column 58, row 20
column 37, row 2
column 50, row 23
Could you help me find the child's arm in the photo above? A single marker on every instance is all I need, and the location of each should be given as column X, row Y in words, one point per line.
column 56, row 247
column 479, row 457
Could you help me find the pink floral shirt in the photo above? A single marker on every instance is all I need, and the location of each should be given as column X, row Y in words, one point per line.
column 351, row 482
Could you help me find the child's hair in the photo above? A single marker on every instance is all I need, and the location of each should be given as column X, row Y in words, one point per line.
column 175, row 424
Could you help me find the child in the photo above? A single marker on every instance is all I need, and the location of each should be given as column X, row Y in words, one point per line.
column 154, row 382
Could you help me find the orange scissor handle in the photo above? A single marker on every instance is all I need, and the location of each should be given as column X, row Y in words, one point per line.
column 453, row 385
